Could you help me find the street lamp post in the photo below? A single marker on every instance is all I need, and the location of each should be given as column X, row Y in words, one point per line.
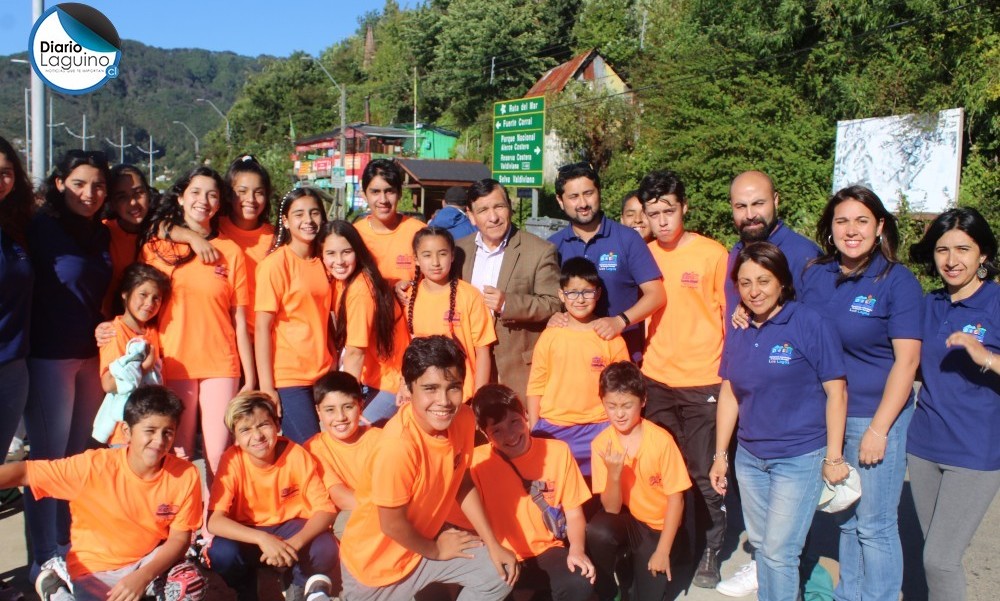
column 343, row 130
column 50, row 126
column 84, row 137
column 196, row 150
column 221, row 114
column 121, row 146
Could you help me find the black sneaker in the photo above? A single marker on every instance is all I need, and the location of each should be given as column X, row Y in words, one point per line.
column 707, row 574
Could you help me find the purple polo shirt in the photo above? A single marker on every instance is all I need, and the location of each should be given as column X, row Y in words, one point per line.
column 957, row 419
column 868, row 312
column 623, row 261
column 777, row 373
column 798, row 249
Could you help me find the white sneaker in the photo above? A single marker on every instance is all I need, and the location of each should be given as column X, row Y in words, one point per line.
column 58, row 565
column 740, row 584
column 50, row 586
column 318, row 588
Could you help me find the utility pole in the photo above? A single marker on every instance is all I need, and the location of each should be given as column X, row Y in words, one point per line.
column 84, row 136
column 121, row 146
column 416, row 151
column 196, row 151
column 221, row 114
column 50, row 126
column 149, row 152
column 337, row 210
column 37, row 109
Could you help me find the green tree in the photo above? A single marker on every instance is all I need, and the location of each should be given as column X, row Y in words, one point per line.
column 612, row 27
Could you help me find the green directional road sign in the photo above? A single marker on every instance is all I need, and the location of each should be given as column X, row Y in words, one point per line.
column 519, row 141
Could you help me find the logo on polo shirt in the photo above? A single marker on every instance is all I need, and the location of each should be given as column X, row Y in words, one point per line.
column 452, row 317
column 976, row 330
column 863, row 305
column 222, row 271
column 690, row 279
column 781, row 354
column 165, row 512
column 656, row 481
column 608, row 261
column 288, row 492
column 598, row 364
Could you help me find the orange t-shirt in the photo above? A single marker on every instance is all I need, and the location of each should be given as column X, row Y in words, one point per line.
column 118, row 517
column 514, row 517
column 566, row 370
column 254, row 243
column 393, row 251
column 341, row 462
column 382, row 373
column 297, row 292
column 413, row 469
column 196, row 329
column 684, row 338
column 267, row 496
column 116, row 348
column 652, row 473
column 124, row 251
column 473, row 323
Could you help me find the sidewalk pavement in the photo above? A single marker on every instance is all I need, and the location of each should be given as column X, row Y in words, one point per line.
column 983, row 576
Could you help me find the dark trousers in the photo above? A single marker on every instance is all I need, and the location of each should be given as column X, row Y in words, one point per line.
column 237, row 562
column 620, row 543
column 690, row 418
column 549, row 578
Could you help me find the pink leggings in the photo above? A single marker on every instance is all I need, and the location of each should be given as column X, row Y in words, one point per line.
column 211, row 395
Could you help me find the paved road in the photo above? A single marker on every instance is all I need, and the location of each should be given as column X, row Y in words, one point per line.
column 984, row 577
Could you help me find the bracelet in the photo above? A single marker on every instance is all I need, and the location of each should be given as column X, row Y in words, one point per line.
column 723, row 455
column 989, row 363
column 872, row 430
column 625, row 318
column 837, row 461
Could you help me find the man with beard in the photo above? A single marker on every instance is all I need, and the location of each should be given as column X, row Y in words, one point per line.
column 755, row 206
column 623, row 260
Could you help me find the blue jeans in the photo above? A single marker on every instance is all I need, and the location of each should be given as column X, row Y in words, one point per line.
column 63, row 398
column 13, row 397
column 380, row 405
column 299, row 421
column 871, row 557
column 779, row 500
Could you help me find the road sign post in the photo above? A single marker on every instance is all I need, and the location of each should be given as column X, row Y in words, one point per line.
column 519, row 142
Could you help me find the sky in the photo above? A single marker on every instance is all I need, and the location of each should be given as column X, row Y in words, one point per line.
column 247, row 27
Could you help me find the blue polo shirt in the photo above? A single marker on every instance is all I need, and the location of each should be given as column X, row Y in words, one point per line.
column 623, row 261
column 798, row 249
column 957, row 419
column 868, row 312
column 70, row 284
column 777, row 373
column 16, row 280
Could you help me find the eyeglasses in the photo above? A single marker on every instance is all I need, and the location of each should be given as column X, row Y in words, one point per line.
column 587, row 294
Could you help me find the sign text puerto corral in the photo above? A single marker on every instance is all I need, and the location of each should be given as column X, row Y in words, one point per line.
column 519, row 142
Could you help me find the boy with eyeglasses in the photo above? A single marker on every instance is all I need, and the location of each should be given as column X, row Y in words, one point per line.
column 567, row 363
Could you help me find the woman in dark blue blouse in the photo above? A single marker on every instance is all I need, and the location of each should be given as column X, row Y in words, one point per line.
column 783, row 376
column 69, row 249
column 16, row 278
column 876, row 305
column 953, row 453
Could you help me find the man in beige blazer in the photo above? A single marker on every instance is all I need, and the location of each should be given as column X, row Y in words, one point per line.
column 518, row 275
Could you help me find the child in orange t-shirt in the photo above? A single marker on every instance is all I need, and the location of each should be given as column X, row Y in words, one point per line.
column 566, row 365
column 203, row 328
column 268, row 505
column 393, row 545
column 292, row 305
column 640, row 476
column 129, row 201
column 134, row 351
column 503, row 469
column 133, row 509
column 441, row 303
column 368, row 322
column 344, row 447
column 387, row 234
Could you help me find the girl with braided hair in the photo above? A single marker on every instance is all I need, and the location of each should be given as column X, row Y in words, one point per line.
column 203, row 327
column 368, row 324
column 441, row 303
column 292, row 304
